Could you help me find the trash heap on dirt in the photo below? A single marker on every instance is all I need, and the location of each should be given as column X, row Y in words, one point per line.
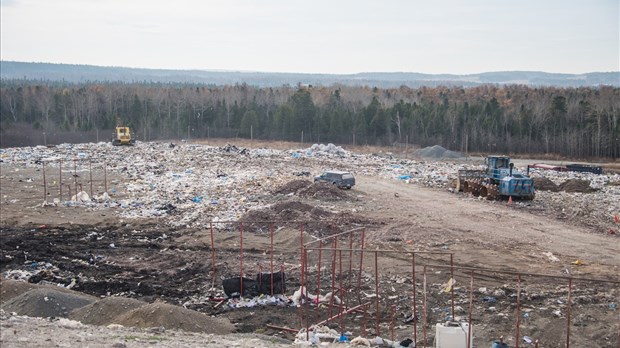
column 193, row 184
column 588, row 198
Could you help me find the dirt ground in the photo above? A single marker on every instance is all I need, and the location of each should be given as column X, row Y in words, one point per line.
column 97, row 253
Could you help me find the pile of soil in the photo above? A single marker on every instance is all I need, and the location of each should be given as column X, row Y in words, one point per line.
column 544, row 184
column 292, row 187
column 283, row 212
column 576, row 185
column 325, row 191
column 12, row 288
column 105, row 311
column 47, row 302
column 319, row 222
column 173, row 317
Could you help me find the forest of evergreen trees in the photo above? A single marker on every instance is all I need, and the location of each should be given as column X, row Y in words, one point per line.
column 571, row 122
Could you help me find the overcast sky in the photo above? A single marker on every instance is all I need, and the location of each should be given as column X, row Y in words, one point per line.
column 318, row 36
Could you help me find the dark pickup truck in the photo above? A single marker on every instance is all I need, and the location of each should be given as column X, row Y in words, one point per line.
column 343, row 180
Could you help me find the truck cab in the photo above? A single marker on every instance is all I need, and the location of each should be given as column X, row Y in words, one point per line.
column 343, row 180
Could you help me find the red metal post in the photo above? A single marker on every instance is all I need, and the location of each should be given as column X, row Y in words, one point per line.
column 471, row 306
column 304, row 293
column 318, row 282
column 359, row 278
column 377, row 291
column 415, row 319
column 212, row 251
column 241, row 257
column 568, row 307
column 331, row 300
column 350, row 259
column 306, row 287
column 341, row 292
column 304, row 290
column 518, row 310
column 453, row 280
column 424, row 306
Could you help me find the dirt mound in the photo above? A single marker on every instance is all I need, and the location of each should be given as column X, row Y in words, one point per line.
column 544, row 184
column 286, row 211
column 47, row 302
column 292, row 187
column 105, row 311
column 321, row 190
column 319, row 222
column 13, row 288
column 173, row 317
column 576, row 185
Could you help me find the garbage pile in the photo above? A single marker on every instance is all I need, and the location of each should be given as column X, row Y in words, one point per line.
column 438, row 152
column 325, row 150
column 587, row 198
column 190, row 185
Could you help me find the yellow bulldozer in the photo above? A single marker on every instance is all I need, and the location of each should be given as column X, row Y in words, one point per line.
column 122, row 136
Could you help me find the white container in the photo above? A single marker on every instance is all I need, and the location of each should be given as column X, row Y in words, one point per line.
column 452, row 335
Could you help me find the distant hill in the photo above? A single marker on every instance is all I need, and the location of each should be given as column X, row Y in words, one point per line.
column 91, row 73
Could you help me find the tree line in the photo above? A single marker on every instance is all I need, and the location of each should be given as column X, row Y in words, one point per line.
column 573, row 122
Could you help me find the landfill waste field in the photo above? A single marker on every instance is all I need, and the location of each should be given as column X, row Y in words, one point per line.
column 152, row 245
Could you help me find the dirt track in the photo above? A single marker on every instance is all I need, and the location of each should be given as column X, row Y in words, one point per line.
column 488, row 234
column 151, row 261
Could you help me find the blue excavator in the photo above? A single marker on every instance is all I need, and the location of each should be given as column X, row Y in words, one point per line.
column 499, row 179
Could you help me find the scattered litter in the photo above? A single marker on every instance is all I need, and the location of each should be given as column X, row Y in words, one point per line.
column 447, row 287
column 360, row 341
column 317, row 335
column 551, row 257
